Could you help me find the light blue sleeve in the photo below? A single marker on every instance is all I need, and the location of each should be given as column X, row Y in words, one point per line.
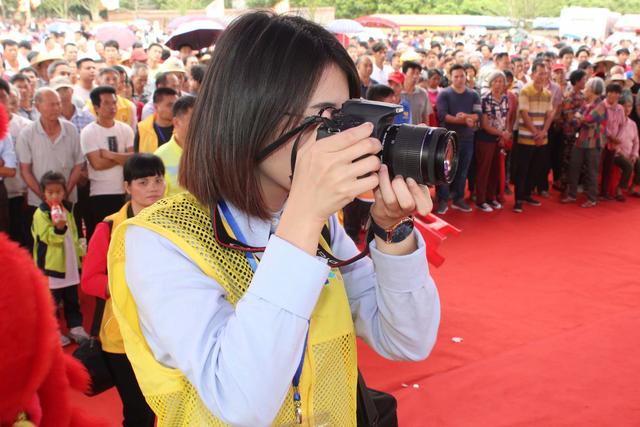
column 394, row 301
column 240, row 361
column 7, row 153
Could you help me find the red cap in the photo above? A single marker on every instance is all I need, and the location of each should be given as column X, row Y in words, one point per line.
column 557, row 67
column 396, row 77
column 138, row 56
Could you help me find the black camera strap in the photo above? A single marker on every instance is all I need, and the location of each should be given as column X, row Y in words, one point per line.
column 224, row 239
column 306, row 123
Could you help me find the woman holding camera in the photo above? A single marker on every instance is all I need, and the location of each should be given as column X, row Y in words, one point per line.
column 241, row 320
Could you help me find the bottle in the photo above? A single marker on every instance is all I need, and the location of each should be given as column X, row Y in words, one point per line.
column 57, row 213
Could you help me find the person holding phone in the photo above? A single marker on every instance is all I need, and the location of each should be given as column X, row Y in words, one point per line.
column 239, row 301
column 107, row 144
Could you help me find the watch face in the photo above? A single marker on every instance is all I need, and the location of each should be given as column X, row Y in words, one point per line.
column 402, row 231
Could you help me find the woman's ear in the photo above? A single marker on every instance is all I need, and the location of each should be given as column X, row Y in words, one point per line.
column 127, row 187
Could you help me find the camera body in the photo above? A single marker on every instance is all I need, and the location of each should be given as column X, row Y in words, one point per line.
column 354, row 112
column 426, row 154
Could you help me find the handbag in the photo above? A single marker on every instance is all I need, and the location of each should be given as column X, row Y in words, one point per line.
column 90, row 354
column 375, row 408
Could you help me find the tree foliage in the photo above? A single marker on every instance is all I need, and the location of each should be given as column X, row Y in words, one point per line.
column 513, row 8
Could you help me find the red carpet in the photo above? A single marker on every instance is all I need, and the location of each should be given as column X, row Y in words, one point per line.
column 548, row 306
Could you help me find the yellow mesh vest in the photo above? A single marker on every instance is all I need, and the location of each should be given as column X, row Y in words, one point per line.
column 329, row 374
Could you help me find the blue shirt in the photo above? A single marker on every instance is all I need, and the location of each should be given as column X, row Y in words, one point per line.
column 81, row 119
column 241, row 361
column 451, row 102
column 7, row 153
column 405, row 117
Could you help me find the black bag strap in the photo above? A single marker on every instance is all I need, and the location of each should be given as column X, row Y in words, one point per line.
column 97, row 317
column 367, row 413
column 99, row 311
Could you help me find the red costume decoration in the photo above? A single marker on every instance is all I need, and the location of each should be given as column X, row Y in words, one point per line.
column 37, row 377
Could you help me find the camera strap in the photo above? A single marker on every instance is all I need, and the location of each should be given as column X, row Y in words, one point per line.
column 306, row 123
column 224, row 239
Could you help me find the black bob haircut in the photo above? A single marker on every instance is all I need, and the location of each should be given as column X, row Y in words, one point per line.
column 161, row 92
column 292, row 53
column 379, row 92
column 52, row 177
column 142, row 165
column 97, row 92
column 183, row 105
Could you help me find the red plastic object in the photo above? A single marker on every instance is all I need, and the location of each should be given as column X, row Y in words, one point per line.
column 434, row 230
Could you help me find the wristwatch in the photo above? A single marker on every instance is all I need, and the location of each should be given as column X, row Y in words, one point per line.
column 394, row 234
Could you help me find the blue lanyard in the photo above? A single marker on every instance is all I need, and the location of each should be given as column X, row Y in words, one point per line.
column 226, row 213
column 160, row 133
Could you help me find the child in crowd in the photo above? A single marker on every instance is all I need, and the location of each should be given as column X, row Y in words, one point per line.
column 57, row 252
column 627, row 152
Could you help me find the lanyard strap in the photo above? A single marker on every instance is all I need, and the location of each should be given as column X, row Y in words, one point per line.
column 224, row 239
column 254, row 265
column 160, row 133
column 238, row 234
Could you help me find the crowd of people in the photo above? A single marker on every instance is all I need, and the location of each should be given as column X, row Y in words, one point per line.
column 90, row 135
column 96, row 134
column 530, row 117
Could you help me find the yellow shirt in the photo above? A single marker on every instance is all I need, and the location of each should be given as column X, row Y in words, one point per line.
column 126, row 111
column 170, row 153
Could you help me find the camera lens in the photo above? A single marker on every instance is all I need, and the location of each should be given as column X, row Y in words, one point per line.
column 426, row 154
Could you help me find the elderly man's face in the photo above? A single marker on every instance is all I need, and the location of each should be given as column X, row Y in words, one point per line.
column 49, row 105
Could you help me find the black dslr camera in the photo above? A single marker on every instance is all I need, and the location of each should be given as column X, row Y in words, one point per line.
column 429, row 155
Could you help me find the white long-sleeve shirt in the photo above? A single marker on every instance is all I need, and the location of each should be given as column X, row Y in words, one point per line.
column 242, row 360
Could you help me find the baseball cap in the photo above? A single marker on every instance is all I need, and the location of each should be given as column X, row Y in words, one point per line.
column 557, row 67
column 396, row 77
column 173, row 65
column 138, row 56
column 60, row 82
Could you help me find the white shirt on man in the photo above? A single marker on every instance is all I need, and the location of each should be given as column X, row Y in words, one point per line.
column 95, row 137
column 34, row 147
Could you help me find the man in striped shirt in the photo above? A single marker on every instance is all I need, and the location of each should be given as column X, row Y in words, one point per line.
column 536, row 115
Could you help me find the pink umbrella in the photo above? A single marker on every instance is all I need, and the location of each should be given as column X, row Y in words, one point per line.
column 377, row 22
column 118, row 32
column 176, row 22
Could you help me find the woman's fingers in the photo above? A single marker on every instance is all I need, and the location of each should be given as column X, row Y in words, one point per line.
column 386, row 190
column 403, row 195
column 347, row 138
column 362, row 167
column 359, row 149
column 421, row 197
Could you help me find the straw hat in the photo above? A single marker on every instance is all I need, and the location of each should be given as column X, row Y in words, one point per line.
column 43, row 57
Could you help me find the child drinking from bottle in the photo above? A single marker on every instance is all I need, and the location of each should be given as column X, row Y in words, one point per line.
column 57, row 252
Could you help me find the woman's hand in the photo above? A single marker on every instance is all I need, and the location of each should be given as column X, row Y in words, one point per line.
column 394, row 200
column 328, row 175
column 398, row 198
